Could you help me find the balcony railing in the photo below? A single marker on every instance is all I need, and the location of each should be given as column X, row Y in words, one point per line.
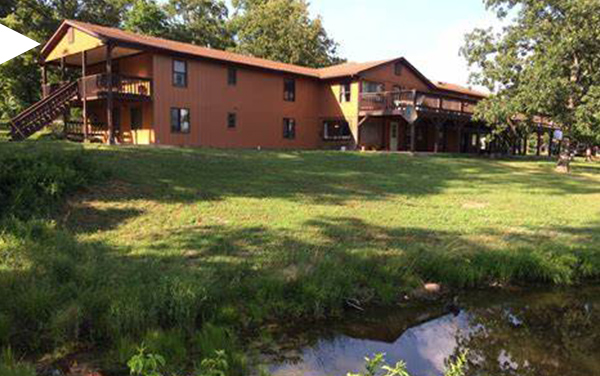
column 125, row 86
column 390, row 101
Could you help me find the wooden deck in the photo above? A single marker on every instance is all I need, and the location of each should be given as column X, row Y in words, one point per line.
column 394, row 103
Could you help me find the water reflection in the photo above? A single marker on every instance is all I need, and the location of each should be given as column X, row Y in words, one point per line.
column 528, row 333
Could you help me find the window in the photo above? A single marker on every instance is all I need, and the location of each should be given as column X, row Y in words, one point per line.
column 136, row 118
column 289, row 128
column 179, row 73
column 232, row 76
column 372, row 87
column 336, row 130
column 345, row 92
column 71, row 35
column 289, row 90
column 231, row 120
column 398, row 69
column 180, row 120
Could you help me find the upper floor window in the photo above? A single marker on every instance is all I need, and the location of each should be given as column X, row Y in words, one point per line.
column 289, row 90
column 398, row 69
column 336, row 130
column 136, row 118
column 289, row 128
column 231, row 120
column 180, row 73
column 232, row 76
column 372, row 87
column 345, row 92
column 180, row 120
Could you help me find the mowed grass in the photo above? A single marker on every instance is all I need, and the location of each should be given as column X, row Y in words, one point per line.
column 176, row 238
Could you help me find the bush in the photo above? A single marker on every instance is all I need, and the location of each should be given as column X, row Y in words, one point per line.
column 32, row 185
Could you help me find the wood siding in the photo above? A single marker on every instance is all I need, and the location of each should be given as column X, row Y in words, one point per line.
column 79, row 43
column 257, row 99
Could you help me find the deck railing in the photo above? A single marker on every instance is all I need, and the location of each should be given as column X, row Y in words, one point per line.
column 97, row 86
column 398, row 100
column 75, row 127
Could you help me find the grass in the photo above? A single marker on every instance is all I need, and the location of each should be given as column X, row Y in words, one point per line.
column 183, row 245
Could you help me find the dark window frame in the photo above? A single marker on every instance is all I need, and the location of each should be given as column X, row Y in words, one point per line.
column 289, row 89
column 289, row 128
column 398, row 69
column 175, row 73
column 176, row 127
column 345, row 92
column 231, row 120
column 232, row 76
column 135, row 125
column 344, row 125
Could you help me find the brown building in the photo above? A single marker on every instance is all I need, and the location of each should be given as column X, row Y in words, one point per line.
column 144, row 90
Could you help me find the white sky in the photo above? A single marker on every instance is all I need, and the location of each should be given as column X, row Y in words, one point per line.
column 429, row 33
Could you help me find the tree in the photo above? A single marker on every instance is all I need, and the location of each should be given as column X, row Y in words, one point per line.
column 147, row 17
column 282, row 30
column 38, row 19
column 546, row 62
column 201, row 22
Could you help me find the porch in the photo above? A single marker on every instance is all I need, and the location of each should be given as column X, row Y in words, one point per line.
column 394, row 133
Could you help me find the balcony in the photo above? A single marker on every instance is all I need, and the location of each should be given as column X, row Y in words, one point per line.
column 123, row 87
column 398, row 102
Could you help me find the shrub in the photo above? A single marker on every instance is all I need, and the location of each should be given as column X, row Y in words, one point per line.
column 32, row 184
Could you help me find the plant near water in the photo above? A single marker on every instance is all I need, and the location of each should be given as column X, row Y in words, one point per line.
column 215, row 366
column 377, row 366
column 146, row 364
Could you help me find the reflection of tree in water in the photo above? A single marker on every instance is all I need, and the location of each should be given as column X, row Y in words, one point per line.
column 549, row 335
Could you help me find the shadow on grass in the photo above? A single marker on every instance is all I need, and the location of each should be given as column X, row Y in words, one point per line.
column 57, row 290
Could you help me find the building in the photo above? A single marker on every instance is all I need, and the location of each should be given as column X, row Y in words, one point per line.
column 144, row 90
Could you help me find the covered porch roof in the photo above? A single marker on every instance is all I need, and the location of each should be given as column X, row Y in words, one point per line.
column 70, row 40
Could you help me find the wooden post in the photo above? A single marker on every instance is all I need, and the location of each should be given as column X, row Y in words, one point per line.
column 84, row 94
column 109, row 95
column 539, row 142
column 550, row 137
column 525, row 143
column 478, row 146
column 62, row 69
column 44, row 79
column 413, row 137
column 436, row 137
column 460, row 136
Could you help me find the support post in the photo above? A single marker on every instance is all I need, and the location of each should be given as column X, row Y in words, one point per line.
column 413, row 137
column 84, row 94
column 109, row 95
column 550, row 139
column 44, row 79
column 436, row 137
column 525, row 143
column 539, row 143
column 478, row 146
column 62, row 70
column 460, row 137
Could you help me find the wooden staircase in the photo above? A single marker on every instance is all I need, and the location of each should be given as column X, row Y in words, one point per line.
column 43, row 112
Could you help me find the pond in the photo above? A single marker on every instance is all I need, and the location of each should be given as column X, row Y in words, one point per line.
column 540, row 332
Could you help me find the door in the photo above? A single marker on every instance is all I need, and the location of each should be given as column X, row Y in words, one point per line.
column 394, row 125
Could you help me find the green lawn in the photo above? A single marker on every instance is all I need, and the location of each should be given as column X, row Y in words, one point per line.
column 175, row 238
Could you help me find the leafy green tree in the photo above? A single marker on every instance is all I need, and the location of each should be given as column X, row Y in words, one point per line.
column 147, row 17
column 545, row 62
column 38, row 19
column 282, row 30
column 201, row 22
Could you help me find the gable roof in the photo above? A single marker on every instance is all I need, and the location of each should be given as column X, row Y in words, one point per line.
column 459, row 89
column 130, row 39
